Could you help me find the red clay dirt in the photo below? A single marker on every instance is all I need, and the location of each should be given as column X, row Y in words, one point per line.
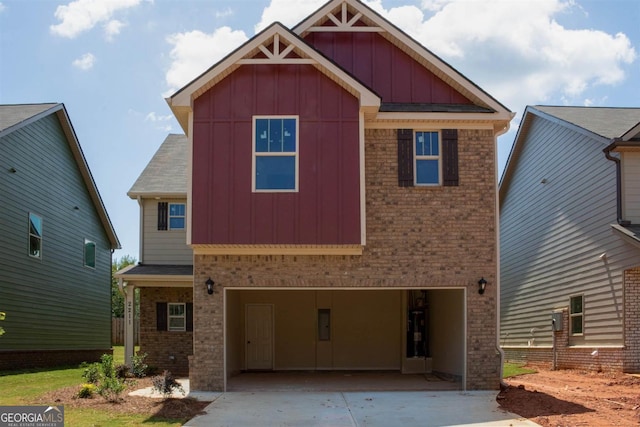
column 574, row 398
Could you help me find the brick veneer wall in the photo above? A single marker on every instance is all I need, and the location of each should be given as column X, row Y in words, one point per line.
column 632, row 320
column 10, row 360
column 607, row 359
column 416, row 237
column 168, row 350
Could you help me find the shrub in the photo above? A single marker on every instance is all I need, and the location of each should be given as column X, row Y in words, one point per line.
column 139, row 369
column 106, row 366
column 91, row 372
column 122, row 371
column 104, row 376
column 110, row 388
column 87, row 391
column 165, row 384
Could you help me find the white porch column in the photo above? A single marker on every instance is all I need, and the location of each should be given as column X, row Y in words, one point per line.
column 129, row 320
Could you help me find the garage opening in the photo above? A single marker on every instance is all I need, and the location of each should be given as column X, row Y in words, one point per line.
column 344, row 339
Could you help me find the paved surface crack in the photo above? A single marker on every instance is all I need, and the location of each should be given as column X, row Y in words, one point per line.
column 354, row 423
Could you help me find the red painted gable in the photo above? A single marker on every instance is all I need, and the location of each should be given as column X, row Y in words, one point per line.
column 325, row 210
column 383, row 67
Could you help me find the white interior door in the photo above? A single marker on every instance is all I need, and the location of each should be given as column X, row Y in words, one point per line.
column 259, row 335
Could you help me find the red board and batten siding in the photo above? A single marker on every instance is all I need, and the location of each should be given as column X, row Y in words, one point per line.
column 325, row 210
column 387, row 70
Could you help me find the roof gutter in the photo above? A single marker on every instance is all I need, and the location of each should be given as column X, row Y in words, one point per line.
column 607, row 153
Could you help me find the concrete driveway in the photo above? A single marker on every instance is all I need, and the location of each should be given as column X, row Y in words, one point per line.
column 337, row 409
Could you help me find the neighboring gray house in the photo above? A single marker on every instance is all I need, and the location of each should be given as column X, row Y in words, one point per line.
column 56, row 242
column 570, row 239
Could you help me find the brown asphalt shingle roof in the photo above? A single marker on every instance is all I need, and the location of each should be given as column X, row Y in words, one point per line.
column 11, row 115
column 609, row 122
column 166, row 173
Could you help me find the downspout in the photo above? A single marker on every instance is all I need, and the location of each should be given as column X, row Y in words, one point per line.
column 607, row 154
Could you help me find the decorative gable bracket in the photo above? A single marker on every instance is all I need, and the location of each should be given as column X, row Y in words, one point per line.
column 274, row 45
column 346, row 21
column 276, row 50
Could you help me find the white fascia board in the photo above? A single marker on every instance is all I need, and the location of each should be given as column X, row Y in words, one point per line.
column 632, row 133
column 443, row 116
column 414, row 49
column 183, row 98
column 119, row 274
column 155, row 195
column 627, row 235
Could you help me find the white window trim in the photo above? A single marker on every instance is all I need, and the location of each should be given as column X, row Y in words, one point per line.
column 84, row 254
column 169, row 216
column 41, row 237
column 417, row 157
column 169, row 317
column 572, row 315
column 254, row 154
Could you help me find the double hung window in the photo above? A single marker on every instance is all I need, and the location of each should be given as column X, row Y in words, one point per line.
column 176, row 216
column 576, row 314
column 171, row 216
column 427, row 158
column 275, row 153
column 177, row 316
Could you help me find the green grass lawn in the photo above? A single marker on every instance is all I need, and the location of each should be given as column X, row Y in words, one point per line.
column 513, row 369
column 27, row 386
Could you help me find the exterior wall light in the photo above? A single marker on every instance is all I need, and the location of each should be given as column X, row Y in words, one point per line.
column 481, row 285
column 209, row 284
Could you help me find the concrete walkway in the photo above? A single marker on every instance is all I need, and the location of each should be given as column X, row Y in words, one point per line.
column 351, row 409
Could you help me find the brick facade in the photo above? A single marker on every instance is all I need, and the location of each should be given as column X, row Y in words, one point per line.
column 439, row 237
column 631, row 361
column 608, row 359
column 168, row 350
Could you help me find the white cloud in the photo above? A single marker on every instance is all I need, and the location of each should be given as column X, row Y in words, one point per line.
column 82, row 15
column 161, row 121
column 288, row 12
column 85, row 62
column 153, row 117
column 194, row 52
column 224, row 13
column 517, row 51
column 112, row 28
column 2, row 7
column 434, row 5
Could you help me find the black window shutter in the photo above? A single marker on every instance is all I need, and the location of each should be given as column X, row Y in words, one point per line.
column 189, row 322
column 450, row 157
column 405, row 157
column 161, row 316
column 163, row 213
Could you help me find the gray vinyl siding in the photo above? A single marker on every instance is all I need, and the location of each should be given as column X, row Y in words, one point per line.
column 552, row 235
column 631, row 186
column 54, row 302
column 163, row 246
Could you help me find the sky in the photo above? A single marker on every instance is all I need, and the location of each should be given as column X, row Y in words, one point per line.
column 113, row 62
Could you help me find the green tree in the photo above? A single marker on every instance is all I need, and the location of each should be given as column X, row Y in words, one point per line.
column 2, row 316
column 117, row 298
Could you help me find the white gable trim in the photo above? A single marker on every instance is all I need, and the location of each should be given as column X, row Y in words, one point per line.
column 276, row 43
column 414, row 49
column 634, row 132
